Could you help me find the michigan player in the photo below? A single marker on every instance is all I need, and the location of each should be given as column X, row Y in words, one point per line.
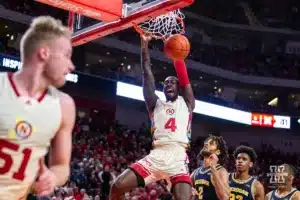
column 211, row 180
column 243, row 186
column 34, row 114
column 171, row 123
column 285, row 190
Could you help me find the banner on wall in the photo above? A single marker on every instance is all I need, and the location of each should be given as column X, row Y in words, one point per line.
column 292, row 47
column 213, row 110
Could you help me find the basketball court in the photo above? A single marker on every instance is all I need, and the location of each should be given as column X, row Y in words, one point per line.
column 93, row 19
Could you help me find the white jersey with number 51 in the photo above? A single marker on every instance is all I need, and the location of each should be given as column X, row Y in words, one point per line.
column 171, row 122
column 27, row 126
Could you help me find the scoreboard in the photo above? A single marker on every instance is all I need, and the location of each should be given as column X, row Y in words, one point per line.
column 268, row 120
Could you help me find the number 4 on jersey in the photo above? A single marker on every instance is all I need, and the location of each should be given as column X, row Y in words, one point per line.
column 171, row 124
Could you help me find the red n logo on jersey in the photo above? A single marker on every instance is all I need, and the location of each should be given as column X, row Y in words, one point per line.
column 23, row 129
column 170, row 111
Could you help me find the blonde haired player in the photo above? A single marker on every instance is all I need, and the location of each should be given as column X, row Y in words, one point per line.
column 35, row 115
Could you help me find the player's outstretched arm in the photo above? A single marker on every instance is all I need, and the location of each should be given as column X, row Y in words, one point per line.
column 148, row 78
column 259, row 191
column 220, row 180
column 184, row 83
column 61, row 144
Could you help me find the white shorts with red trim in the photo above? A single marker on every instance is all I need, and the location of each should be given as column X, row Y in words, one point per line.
column 169, row 162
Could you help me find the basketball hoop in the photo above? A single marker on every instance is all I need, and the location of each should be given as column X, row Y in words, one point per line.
column 163, row 26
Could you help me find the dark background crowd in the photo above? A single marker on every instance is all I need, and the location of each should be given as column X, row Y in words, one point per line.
column 248, row 56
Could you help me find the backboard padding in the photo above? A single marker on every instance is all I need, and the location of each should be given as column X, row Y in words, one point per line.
column 104, row 10
column 131, row 16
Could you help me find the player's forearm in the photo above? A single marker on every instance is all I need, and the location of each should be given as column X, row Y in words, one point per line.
column 182, row 74
column 148, row 78
column 184, row 83
column 61, row 172
column 259, row 197
column 148, row 86
column 145, row 59
column 222, row 189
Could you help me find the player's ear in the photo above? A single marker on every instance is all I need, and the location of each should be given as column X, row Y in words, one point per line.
column 251, row 164
column 218, row 152
column 291, row 178
column 44, row 53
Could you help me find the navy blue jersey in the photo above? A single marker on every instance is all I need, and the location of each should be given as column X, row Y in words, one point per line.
column 288, row 196
column 241, row 190
column 203, row 184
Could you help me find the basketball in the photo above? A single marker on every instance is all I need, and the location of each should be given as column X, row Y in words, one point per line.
column 177, row 47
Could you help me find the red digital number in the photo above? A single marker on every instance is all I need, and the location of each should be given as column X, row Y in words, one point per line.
column 8, row 161
column 171, row 124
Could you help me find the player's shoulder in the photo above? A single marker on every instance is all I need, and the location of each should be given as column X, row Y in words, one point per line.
column 296, row 194
column 220, row 167
column 67, row 106
column 3, row 76
column 297, row 191
column 195, row 172
column 258, row 187
column 3, row 80
column 230, row 175
column 181, row 99
column 269, row 194
column 66, row 102
column 65, row 99
column 222, row 171
column 198, row 171
column 257, row 183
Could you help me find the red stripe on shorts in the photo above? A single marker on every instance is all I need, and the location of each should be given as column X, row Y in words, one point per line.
column 180, row 178
column 141, row 170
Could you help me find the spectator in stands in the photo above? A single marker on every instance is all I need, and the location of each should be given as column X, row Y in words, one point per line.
column 106, row 178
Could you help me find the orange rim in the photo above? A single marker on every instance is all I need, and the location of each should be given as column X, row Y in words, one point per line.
column 142, row 31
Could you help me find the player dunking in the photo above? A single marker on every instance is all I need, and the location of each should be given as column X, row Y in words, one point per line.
column 285, row 190
column 243, row 186
column 211, row 180
column 171, row 122
column 34, row 114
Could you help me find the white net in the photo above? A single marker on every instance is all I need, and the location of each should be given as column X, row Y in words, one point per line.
column 164, row 26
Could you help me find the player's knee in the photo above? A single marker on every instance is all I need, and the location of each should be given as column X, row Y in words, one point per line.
column 182, row 191
column 183, row 196
column 118, row 185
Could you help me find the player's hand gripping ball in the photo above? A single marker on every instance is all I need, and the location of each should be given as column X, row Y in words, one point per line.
column 177, row 47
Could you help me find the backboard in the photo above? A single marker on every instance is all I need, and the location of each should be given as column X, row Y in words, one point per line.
column 92, row 19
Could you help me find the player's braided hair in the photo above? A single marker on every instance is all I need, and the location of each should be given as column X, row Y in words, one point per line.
column 247, row 150
column 222, row 147
column 290, row 169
